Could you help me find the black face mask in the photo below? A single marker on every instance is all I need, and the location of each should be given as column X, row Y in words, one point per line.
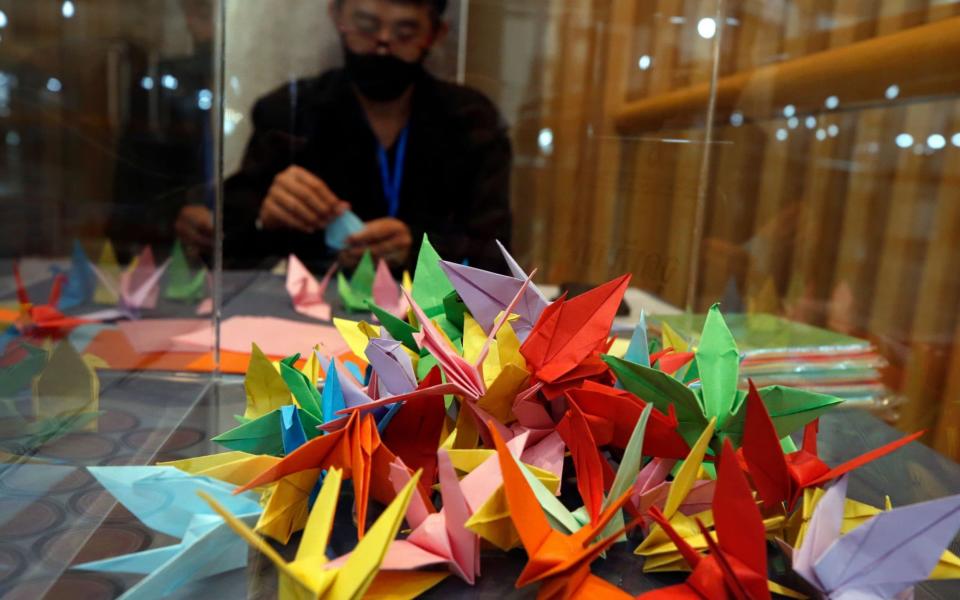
column 381, row 77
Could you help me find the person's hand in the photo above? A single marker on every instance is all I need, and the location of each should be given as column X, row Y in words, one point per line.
column 386, row 238
column 194, row 227
column 300, row 200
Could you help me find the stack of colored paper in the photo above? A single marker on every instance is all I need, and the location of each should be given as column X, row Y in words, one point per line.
column 778, row 351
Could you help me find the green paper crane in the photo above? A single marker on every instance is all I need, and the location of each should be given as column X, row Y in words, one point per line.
column 718, row 363
column 260, row 428
column 182, row 285
column 358, row 291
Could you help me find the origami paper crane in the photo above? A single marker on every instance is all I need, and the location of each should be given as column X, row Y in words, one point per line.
column 560, row 561
column 590, row 467
column 310, row 575
column 856, row 514
column 883, row 558
column 516, row 270
column 166, row 500
column 463, row 378
column 487, row 294
column 569, row 331
column 183, row 285
column 437, row 537
column 386, row 292
column 43, row 320
column 139, row 286
column 81, row 281
column 307, row 294
column 736, row 567
column 717, row 362
column 107, row 265
column 341, row 228
column 483, row 489
column 652, row 489
column 356, row 449
column 781, row 477
column 67, row 388
column 358, row 290
column 287, row 504
column 611, row 414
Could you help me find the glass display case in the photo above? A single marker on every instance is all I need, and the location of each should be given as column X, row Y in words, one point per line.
column 175, row 180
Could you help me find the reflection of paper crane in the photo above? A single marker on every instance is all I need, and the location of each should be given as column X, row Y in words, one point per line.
column 67, row 391
column 166, row 500
column 139, row 286
column 43, row 320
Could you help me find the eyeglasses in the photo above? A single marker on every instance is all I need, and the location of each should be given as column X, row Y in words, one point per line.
column 368, row 28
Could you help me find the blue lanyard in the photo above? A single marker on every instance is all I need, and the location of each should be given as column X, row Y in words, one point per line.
column 393, row 178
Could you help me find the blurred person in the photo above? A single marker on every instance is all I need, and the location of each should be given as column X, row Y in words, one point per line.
column 408, row 153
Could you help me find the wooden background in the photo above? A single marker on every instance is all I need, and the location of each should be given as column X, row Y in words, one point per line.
column 833, row 224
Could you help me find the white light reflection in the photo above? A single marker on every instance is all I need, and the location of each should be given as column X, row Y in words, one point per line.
column 68, row 9
column 54, row 85
column 833, row 130
column 789, row 110
column 147, row 83
column 644, row 62
column 821, row 134
column 781, row 134
column 892, row 92
column 936, row 141
column 545, row 141
column 810, row 122
column 793, row 122
column 204, row 99
column 736, row 118
column 831, row 102
column 3, row 19
column 707, row 28
column 678, row 20
column 170, row 82
column 955, row 140
column 904, row 140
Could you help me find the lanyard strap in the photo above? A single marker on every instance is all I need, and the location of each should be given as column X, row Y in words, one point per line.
column 392, row 179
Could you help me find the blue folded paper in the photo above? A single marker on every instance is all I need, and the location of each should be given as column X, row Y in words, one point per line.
column 341, row 228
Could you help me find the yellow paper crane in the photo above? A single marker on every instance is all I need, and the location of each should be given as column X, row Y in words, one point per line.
column 307, row 578
column 856, row 514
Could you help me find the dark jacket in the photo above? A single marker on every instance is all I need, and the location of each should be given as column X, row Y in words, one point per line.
column 455, row 183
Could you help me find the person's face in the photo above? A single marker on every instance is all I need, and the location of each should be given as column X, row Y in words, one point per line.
column 381, row 26
column 199, row 16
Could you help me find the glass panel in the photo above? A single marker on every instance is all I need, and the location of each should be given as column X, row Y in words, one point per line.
column 107, row 111
column 830, row 199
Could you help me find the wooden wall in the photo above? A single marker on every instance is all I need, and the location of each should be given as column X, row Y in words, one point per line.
column 833, row 224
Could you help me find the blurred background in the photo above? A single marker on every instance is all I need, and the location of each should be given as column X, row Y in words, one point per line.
column 799, row 158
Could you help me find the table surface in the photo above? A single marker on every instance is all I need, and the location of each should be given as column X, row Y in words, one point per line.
column 54, row 514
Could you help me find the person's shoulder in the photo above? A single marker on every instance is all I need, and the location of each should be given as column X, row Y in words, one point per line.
column 466, row 104
column 292, row 96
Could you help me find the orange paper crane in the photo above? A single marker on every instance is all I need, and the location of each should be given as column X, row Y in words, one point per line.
column 43, row 319
column 736, row 567
column 356, row 449
column 570, row 331
column 561, row 562
column 611, row 414
column 781, row 477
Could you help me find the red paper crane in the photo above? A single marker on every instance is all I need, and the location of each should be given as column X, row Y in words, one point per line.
column 736, row 567
column 594, row 474
column 570, row 331
column 561, row 562
column 356, row 449
column 781, row 477
column 612, row 413
column 43, row 320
